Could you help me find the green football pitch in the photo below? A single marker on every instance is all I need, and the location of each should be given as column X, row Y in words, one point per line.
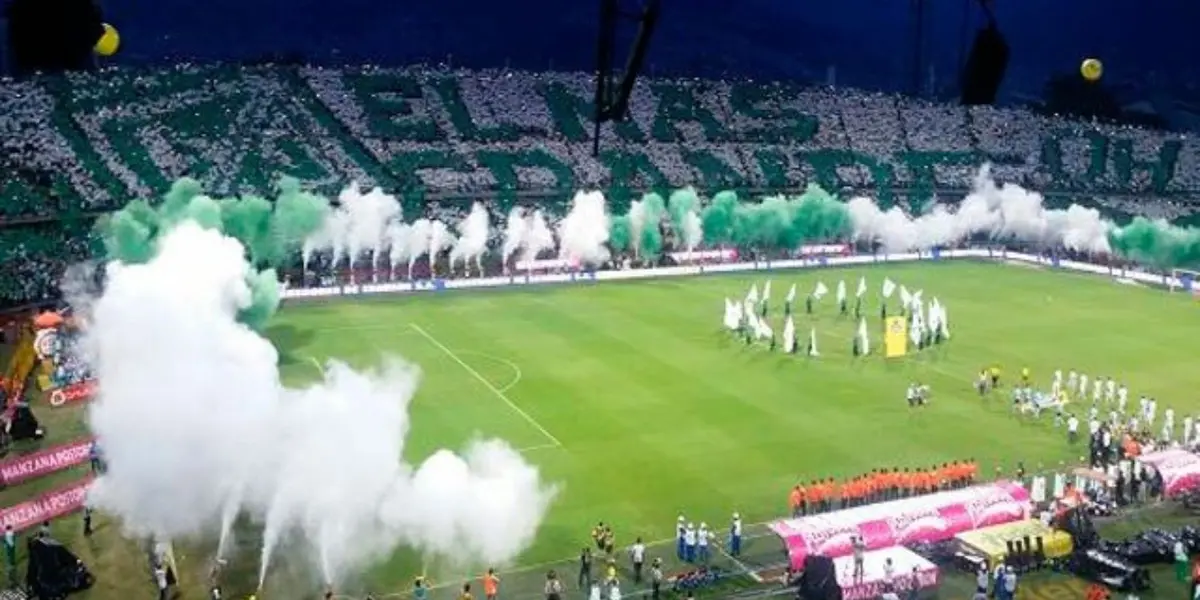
column 635, row 401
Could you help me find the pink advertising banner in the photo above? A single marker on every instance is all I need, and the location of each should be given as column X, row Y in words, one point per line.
column 50, row 505
column 43, row 462
column 1180, row 469
column 931, row 518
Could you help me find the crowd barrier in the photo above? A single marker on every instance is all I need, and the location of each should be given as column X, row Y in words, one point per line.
column 44, row 462
column 931, row 518
column 441, row 285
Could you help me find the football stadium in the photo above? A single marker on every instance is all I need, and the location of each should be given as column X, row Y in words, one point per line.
column 375, row 326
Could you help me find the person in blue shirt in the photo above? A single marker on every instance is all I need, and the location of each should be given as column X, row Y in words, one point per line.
column 680, row 532
column 735, row 536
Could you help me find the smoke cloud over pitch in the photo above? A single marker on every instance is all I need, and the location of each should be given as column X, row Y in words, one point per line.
column 194, row 421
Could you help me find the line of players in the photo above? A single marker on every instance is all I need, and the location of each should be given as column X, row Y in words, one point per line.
column 879, row 485
column 1106, row 392
column 1103, row 392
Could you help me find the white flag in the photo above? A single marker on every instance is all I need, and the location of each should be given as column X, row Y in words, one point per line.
column 752, row 297
column 934, row 320
column 864, row 342
column 791, row 295
column 917, row 300
column 733, row 315
column 943, row 321
column 789, row 336
column 916, row 331
column 819, row 291
column 889, row 287
column 905, row 297
column 764, row 331
column 841, row 291
column 812, row 343
column 749, row 314
column 862, row 287
column 766, row 291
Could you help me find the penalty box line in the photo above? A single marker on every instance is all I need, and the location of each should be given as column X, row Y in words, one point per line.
column 554, row 441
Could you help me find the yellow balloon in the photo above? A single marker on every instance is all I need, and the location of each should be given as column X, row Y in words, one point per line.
column 1091, row 69
column 109, row 42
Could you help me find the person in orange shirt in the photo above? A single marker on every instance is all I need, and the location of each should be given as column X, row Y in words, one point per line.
column 796, row 501
column 814, row 497
column 833, row 490
column 491, row 584
column 972, row 470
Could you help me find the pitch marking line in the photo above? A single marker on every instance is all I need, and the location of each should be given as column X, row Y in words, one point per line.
column 517, row 374
column 739, row 564
column 496, row 391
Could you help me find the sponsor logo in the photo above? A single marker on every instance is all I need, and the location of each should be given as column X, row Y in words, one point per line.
column 45, row 462
column 44, row 342
column 80, row 391
column 45, row 507
column 828, row 536
column 917, row 524
column 684, row 257
column 824, row 249
column 993, row 508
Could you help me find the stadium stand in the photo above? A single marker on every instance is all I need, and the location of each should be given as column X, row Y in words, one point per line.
column 75, row 146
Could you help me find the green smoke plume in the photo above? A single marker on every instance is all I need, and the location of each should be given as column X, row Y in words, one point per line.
column 269, row 231
column 777, row 221
column 1157, row 243
column 653, row 208
column 649, row 212
column 680, row 204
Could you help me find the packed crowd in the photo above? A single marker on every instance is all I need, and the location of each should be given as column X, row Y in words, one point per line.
column 66, row 354
column 78, row 145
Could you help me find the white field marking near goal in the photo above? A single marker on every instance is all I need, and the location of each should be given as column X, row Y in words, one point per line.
column 496, row 391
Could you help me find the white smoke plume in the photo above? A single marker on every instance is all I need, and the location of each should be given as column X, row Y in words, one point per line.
column 356, row 227
column 1004, row 212
column 440, row 239
column 397, row 235
column 583, row 233
column 473, row 234
column 693, row 230
column 538, row 238
column 196, row 425
column 516, row 229
column 418, row 242
column 637, row 223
